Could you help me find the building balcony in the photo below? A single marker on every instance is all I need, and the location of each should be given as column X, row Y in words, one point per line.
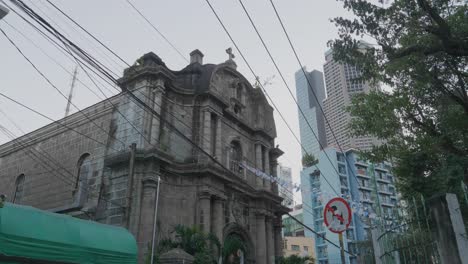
column 381, row 168
column 361, row 162
column 365, row 188
column 367, row 201
column 383, row 180
column 385, row 192
column 363, row 174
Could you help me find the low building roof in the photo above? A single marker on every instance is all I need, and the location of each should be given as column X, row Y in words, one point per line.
column 30, row 233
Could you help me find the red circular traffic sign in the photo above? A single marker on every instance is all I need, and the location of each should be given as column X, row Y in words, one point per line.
column 337, row 215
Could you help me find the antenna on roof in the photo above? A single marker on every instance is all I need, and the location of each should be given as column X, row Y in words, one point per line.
column 75, row 73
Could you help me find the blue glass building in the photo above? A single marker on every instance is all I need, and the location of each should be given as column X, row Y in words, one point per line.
column 310, row 106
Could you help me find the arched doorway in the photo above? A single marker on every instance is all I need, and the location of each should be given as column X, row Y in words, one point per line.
column 238, row 247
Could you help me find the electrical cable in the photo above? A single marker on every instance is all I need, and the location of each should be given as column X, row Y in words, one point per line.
column 149, row 109
column 53, row 59
column 318, row 234
column 45, row 164
column 157, row 30
column 312, row 90
column 91, row 35
column 104, row 55
column 287, row 87
column 53, row 85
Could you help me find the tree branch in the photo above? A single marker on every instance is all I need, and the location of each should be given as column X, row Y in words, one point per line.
column 444, row 28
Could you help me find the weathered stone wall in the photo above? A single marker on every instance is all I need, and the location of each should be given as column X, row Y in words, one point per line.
column 38, row 154
column 214, row 106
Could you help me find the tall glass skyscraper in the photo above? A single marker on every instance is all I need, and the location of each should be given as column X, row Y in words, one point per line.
column 341, row 83
column 340, row 171
column 310, row 105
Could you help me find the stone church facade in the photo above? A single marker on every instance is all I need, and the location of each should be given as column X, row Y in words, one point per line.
column 104, row 163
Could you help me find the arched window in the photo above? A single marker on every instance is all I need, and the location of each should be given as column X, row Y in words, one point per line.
column 84, row 168
column 235, row 155
column 19, row 190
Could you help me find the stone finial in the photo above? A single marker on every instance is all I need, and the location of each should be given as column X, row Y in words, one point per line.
column 230, row 62
column 230, row 54
column 196, row 56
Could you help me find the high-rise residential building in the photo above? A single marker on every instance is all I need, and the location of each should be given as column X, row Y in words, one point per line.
column 341, row 83
column 310, row 102
column 340, row 171
column 286, row 192
column 369, row 188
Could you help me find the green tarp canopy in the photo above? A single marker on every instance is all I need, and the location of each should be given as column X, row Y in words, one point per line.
column 30, row 233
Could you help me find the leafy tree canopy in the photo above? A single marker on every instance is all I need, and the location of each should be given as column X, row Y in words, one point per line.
column 419, row 48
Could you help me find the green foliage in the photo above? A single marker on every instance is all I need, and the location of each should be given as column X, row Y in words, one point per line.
column 193, row 241
column 308, row 160
column 232, row 244
column 294, row 259
column 419, row 49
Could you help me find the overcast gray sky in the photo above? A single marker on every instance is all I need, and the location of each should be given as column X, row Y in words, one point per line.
column 189, row 25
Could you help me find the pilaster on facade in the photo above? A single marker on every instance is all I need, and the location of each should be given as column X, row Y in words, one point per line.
column 270, row 240
column 261, row 239
column 277, row 236
column 146, row 217
column 204, row 200
column 258, row 164
column 207, row 130
column 266, row 182
column 218, row 216
column 157, row 94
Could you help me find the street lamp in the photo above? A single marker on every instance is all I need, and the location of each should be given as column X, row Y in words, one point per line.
column 3, row 11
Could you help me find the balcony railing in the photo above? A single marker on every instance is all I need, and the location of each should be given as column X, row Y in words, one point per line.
column 236, row 167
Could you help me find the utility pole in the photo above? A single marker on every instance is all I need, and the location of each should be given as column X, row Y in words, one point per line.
column 75, row 73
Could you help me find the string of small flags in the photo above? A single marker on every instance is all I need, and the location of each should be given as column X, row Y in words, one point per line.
column 362, row 210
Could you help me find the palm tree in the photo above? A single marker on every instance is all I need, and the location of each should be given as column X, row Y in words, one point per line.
column 193, row 241
column 232, row 245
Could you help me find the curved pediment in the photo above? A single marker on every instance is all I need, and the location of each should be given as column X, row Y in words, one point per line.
column 247, row 103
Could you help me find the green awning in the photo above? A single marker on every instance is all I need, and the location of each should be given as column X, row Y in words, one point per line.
column 31, row 233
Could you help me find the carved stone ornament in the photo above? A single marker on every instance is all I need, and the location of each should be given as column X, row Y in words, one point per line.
column 238, row 210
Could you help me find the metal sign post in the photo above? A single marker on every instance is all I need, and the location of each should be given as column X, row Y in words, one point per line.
column 340, row 237
column 337, row 217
